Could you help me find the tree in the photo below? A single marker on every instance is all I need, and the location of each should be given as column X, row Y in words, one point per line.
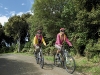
column 47, row 14
column 1, row 34
column 16, row 27
column 79, row 17
column 86, row 23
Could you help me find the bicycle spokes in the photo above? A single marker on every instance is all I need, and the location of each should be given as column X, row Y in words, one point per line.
column 66, row 60
column 39, row 58
column 69, row 64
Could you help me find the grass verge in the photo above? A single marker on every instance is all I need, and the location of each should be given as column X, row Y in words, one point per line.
column 49, row 58
column 83, row 65
column 87, row 67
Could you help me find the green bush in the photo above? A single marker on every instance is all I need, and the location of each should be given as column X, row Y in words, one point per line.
column 6, row 49
column 95, row 59
column 95, row 70
column 11, row 49
column 91, row 50
column 26, row 47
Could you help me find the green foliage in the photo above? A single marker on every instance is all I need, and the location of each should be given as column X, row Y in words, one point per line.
column 96, row 59
column 89, row 45
column 49, row 58
column 92, row 50
column 87, row 67
column 27, row 44
column 71, row 14
column 16, row 27
column 79, row 17
column 7, row 49
column 95, row 70
column 47, row 14
column 11, row 49
column 26, row 47
column 81, row 40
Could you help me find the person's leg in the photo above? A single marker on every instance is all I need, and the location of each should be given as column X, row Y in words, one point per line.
column 37, row 48
column 58, row 50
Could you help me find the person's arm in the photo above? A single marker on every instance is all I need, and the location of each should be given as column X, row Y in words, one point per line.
column 58, row 40
column 35, row 41
column 68, row 42
column 43, row 41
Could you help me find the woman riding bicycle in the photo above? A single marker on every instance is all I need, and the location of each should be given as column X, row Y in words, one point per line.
column 60, row 39
column 38, row 40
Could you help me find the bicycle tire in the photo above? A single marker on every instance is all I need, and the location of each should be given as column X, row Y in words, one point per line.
column 41, row 60
column 37, row 59
column 69, row 64
column 56, row 61
column 42, row 63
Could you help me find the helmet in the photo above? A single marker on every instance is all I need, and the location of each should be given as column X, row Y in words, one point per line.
column 39, row 31
column 62, row 29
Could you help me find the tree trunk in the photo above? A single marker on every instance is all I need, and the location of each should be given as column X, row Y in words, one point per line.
column 18, row 45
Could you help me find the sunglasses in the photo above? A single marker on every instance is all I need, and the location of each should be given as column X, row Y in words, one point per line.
column 62, row 30
column 39, row 33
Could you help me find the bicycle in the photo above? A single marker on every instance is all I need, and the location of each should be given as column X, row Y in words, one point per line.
column 66, row 60
column 40, row 58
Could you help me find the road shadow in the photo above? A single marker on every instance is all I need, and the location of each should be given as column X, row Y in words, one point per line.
column 14, row 67
column 48, row 66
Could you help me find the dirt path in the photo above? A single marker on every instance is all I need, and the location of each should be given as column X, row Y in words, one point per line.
column 18, row 64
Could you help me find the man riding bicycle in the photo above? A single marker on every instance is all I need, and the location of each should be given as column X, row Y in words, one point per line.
column 38, row 40
column 60, row 39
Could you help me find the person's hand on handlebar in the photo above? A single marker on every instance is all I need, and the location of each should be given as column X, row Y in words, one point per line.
column 70, row 46
column 44, row 44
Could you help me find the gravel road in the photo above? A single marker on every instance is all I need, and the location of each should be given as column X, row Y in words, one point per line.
column 20, row 64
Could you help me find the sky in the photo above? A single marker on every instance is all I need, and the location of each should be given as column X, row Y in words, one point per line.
column 9, row 8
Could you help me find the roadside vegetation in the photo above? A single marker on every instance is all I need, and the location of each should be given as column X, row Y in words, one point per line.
column 81, row 18
column 83, row 66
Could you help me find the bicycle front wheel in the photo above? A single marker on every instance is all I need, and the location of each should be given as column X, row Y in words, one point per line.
column 41, row 61
column 37, row 58
column 69, row 64
column 56, row 61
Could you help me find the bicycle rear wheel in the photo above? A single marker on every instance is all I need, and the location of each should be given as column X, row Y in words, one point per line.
column 69, row 64
column 54, row 59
